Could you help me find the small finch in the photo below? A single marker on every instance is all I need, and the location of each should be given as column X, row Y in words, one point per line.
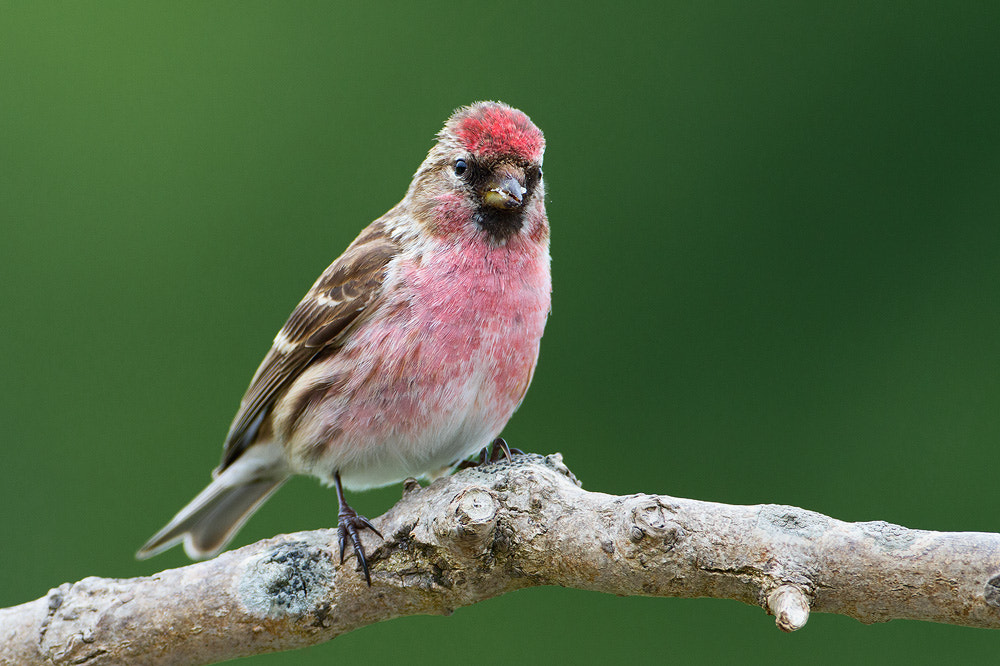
column 410, row 352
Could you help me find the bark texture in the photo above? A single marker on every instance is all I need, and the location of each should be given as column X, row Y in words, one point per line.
column 505, row 526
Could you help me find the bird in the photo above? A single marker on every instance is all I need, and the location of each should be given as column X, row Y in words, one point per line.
column 410, row 352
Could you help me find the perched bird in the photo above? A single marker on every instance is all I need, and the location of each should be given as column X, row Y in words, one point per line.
column 411, row 351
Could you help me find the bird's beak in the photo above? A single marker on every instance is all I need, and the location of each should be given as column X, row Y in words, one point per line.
column 505, row 188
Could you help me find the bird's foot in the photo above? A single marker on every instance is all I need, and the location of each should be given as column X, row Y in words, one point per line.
column 348, row 525
column 495, row 452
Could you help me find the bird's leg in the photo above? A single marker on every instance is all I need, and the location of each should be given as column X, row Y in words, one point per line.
column 348, row 524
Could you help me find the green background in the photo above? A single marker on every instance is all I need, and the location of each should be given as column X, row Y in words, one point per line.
column 776, row 258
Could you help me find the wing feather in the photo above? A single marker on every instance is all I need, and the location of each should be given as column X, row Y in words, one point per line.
column 337, row 301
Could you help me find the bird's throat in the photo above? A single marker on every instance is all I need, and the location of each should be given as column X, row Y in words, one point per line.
column 499, row 225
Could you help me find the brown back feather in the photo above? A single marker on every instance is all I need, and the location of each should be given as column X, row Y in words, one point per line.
column 352, row 284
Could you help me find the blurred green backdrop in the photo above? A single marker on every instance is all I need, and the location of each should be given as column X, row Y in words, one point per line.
column 776, row 258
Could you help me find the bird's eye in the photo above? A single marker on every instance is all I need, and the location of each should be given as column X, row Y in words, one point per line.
column 460, row 167
column 539, row 174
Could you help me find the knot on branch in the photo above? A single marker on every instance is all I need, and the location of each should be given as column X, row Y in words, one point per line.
column 653, row 517
column 790, row 606
column 473, row 518
column 992, row 592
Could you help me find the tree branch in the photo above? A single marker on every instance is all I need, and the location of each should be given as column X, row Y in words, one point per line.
column 486, row 531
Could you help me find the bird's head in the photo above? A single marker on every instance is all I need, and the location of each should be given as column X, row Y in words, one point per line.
column 484, row 175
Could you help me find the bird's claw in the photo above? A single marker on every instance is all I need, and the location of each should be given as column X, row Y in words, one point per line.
column 495, row 452
column 500, row 451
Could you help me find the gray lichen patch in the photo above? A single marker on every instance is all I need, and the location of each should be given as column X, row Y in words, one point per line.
column 889, row 536
column 793, row 521
column 288, row 580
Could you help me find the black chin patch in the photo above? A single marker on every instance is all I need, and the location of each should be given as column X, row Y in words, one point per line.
column 499, row 224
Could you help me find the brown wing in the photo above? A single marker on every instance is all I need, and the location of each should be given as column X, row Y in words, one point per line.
column 337, row 300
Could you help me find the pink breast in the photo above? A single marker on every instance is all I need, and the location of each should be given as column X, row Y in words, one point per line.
column 453, row 357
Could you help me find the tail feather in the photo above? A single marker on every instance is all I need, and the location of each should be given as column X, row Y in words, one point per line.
column 212, row 518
